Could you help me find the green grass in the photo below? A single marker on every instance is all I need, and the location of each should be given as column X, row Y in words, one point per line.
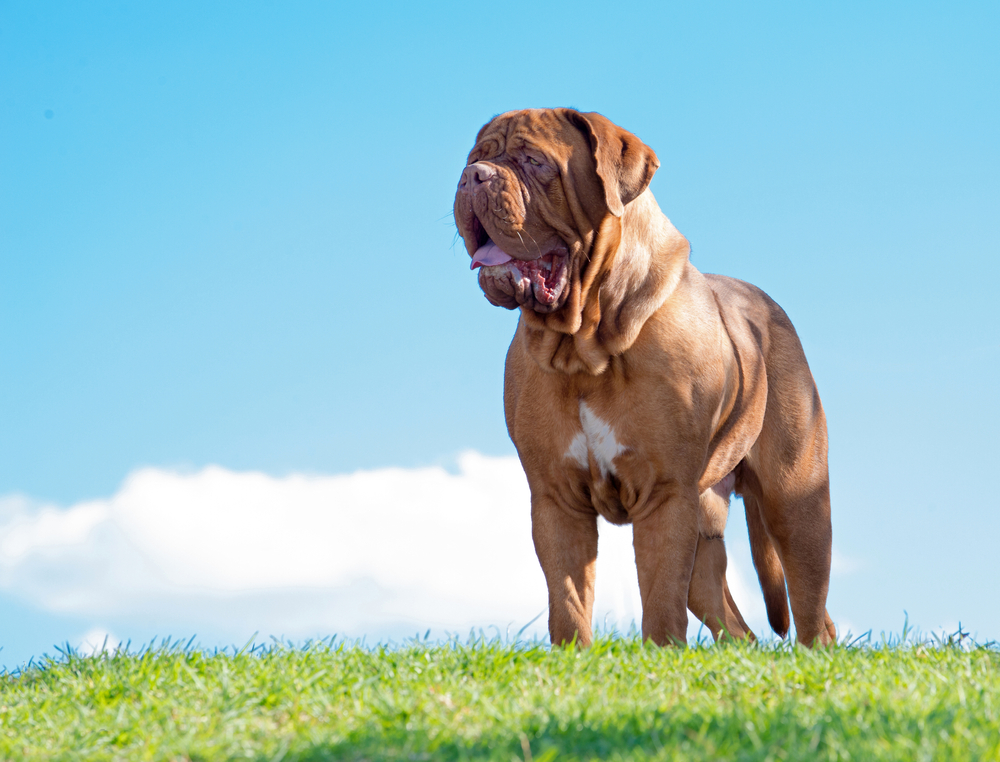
column 618, row 700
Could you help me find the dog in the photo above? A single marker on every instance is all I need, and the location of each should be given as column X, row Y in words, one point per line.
column 638, row 389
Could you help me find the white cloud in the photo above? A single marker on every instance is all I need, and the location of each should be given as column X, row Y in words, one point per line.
column 841, row 565
column 98, row 640
column 382, row 553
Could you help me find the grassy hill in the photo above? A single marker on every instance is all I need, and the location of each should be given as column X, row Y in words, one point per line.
column 618, row 700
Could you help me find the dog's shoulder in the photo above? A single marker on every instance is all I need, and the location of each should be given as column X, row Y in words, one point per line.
column 739, row 299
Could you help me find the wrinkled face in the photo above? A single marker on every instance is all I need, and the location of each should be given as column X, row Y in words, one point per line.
column 511, row 210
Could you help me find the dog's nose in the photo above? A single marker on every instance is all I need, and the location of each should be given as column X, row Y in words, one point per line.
column 476, row 174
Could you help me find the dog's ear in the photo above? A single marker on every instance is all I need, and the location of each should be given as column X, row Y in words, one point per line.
column 624, row 163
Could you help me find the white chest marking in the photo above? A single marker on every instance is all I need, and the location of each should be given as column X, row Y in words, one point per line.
column 578, row 450
column 597, row 439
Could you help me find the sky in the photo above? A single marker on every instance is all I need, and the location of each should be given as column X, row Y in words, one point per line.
column 248, row 383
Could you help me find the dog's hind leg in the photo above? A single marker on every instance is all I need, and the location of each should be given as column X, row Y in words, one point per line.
column 789, row 464
column 765, row 556
column 734, row 610
column 801, row 531
column 709, row 598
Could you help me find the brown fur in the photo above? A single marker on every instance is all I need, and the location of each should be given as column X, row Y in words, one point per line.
column 700, row 380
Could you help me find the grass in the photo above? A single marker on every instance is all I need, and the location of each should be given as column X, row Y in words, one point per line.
column 618, row 700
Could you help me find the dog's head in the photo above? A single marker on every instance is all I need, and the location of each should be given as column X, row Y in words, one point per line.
column 537, row 192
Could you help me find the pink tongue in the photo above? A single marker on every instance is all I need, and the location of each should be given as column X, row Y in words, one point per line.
column 489, row 254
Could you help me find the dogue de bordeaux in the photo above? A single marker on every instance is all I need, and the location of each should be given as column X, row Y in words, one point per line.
column 639, row 389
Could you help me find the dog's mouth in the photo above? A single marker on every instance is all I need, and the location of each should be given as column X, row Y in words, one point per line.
column 539, row 283
column 545, row 276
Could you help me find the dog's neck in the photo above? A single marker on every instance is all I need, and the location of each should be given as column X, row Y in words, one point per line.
column 635, row 262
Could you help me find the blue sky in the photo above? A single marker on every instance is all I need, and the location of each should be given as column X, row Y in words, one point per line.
column 226, row 241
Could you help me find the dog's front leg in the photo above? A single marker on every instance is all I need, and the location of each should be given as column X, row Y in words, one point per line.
column 566, row 545
column 665, row 538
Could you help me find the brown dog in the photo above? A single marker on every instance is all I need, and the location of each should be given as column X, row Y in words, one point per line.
column 641, row 390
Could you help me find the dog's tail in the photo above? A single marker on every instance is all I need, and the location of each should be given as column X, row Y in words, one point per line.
column 768, row 565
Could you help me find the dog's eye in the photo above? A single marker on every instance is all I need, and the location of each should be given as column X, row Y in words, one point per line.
column 533, row 161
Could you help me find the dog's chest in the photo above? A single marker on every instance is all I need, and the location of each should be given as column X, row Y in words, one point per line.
column 598, row 455
column 596, row 440
column 607, row 443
